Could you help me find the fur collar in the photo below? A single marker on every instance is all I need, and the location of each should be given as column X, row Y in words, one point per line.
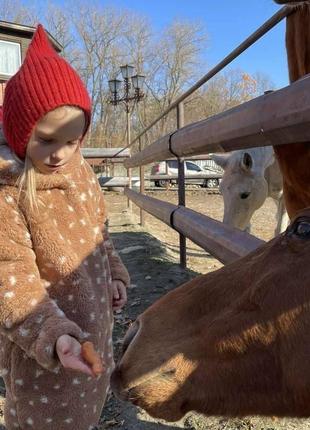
column 12, row 167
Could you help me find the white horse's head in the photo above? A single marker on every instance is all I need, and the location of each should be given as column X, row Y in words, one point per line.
column 244, row 187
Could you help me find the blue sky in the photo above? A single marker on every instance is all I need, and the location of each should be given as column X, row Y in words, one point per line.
column 227, row 23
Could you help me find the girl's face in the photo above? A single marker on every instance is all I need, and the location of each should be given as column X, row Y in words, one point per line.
column 55, row 139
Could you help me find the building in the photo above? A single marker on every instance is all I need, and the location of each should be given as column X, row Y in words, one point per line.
column 14, row 41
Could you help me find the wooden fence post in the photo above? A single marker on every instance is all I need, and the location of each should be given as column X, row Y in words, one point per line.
column 142, row 187
column 129, row 173
column 181, row 186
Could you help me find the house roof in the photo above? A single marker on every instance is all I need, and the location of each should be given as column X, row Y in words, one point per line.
column 26, row 31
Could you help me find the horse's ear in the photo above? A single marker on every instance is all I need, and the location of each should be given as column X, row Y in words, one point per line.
column 221, row 159
column 246, row 161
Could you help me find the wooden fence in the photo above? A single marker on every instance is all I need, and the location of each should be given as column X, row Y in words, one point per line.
column 277, row 118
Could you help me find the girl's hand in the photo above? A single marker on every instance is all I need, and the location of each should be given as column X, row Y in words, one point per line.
column 119, row 295
column 69, row 352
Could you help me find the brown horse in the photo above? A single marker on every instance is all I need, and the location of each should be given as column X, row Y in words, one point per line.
column 294, row 159
column 233, row 342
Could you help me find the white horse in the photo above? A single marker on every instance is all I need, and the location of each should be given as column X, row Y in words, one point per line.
column 250, row 176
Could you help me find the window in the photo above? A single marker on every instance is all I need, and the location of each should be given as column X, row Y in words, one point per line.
column 173, row 164
column 192, row 166
column 10, row 58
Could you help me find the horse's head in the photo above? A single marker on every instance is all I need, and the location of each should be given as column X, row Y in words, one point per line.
column 243, row 186
column 234, row 342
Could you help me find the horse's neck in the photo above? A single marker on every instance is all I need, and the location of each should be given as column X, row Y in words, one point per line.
column 294, row 159
column 298, row 42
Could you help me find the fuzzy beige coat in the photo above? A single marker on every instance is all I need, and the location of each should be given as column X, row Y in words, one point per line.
column 56, row 269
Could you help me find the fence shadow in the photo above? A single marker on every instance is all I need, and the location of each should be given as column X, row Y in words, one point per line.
column 153, row 273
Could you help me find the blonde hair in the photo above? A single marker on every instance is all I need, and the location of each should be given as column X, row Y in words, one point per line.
column 27, row 186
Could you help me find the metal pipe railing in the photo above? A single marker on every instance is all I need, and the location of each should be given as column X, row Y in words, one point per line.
column 254, row 37
column 224, row 242
column 194, row 140
column 281, row 117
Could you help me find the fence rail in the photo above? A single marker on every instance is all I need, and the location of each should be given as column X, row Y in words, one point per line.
column 259, row 33
column 124, row 181
column 105, row 152
column 276, row 118
column 225, row 243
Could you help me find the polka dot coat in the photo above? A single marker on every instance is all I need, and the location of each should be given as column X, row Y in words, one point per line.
column 56, row 268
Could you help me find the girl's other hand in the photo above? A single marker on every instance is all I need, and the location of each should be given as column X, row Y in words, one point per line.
column 119, row 295
column 69, row 352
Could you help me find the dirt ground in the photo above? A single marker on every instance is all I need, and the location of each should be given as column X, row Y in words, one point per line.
column 151, row 256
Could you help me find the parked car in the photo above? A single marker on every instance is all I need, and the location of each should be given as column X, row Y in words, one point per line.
column 170, row 167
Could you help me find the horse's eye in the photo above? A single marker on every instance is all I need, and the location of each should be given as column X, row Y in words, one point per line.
column 244, row 195
column 302, row 229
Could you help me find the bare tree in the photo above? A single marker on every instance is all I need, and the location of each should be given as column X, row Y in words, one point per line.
column 59, row 23
column 225, row 91
column 15, row 11
column 99, row 31
column 177, row 62
column 96, row 40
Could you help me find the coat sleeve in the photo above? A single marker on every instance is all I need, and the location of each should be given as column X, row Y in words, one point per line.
column 28, row 317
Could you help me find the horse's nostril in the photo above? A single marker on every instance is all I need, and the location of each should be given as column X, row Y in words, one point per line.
column 131, row 333
column 117, row 385
column 169, row 372
column 244, row 195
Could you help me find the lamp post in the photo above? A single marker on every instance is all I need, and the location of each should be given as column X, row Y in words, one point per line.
column 129, row 97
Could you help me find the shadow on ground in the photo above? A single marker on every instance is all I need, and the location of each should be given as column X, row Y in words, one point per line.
column 153, row 273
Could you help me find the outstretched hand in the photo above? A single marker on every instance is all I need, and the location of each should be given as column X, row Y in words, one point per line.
column 69, row 352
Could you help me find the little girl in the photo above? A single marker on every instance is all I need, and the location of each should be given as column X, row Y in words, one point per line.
column 59, row 273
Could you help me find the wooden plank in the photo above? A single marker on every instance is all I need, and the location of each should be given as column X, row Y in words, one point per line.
column 105, row 152
column 159, row 209
column 158, row 150
column 123, row 181
column 202, row 176
column 103, row 161
column 116, row 181
column 223, row 242
column 277, row 118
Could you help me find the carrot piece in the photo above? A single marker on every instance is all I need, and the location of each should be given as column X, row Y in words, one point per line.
column 92, row 358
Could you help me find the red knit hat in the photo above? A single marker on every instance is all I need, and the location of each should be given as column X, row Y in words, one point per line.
column 44, row 82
